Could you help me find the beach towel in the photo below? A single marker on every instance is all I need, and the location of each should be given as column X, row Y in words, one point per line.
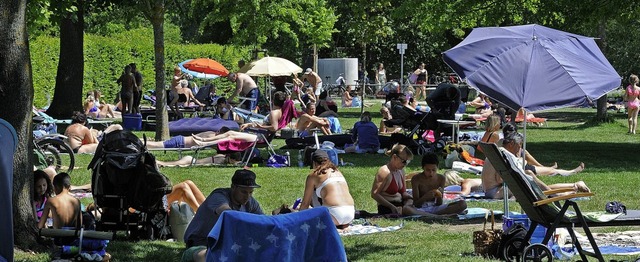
column 336, row 128
column 366, row 228
column 288, row 112
column 307, row 235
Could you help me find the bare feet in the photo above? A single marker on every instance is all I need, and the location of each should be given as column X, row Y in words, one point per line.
column 580, row 186
column 555, row 165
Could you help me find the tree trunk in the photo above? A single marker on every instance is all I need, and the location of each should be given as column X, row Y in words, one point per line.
column 67, row 96
column 601, row 105
column 157, row 20
column 16, row 90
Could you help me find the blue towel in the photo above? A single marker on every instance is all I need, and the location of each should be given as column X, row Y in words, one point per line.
column 301, row 236
column 336, row 128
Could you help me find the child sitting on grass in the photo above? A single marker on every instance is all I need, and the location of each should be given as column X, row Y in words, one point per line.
column 64, row 208
column 427, row 189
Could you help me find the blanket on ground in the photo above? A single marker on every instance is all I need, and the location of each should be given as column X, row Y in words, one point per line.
column 307, row 235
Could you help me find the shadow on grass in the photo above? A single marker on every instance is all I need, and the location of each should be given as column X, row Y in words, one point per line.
column 363, row 250
column 125, row 250
column 601, row 155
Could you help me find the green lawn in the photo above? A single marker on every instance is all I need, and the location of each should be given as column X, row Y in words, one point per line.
column 569, row 138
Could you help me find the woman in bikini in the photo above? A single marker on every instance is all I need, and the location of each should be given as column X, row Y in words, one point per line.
column 389, row 189
column 632, row 96
column 327, row 183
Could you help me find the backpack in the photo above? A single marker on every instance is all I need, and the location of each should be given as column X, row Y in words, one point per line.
column 123, row 166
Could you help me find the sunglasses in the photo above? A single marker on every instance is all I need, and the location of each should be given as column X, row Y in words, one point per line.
column 404, row 161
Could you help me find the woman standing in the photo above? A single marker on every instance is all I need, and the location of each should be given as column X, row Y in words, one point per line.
column 327, row 183
column 632, row 94
column 421, row 81
column 381, row 76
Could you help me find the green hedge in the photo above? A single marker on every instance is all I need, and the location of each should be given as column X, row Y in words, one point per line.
column 105, row 58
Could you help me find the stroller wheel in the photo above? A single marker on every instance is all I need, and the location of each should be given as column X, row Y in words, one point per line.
column 537, row 252
column 512, row 250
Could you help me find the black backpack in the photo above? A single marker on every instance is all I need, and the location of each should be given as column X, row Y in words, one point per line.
column 122, row 166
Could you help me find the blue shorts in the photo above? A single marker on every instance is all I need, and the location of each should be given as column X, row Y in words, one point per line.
column 251, row 105
column 174, row 142
column 303, row 133
column 366, row 150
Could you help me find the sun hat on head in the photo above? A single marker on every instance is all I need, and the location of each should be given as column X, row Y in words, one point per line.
column 244, row 178
column 308, row 71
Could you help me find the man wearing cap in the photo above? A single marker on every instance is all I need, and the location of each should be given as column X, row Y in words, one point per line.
column 314, row 80
column 246, row 87
column 238, row 197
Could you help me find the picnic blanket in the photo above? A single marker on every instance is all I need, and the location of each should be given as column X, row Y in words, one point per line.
column 307, row 235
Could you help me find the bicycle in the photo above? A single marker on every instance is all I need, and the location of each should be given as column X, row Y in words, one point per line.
column 334, row 90
column 51, row 150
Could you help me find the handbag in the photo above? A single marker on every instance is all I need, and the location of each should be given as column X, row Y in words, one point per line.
column 486, row 241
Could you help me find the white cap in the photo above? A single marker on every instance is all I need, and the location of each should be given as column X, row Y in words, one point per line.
column 308, row 71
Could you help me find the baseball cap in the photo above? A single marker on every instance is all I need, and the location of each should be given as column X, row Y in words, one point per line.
column 308, row 71
column 319, row 156
column 244, row 178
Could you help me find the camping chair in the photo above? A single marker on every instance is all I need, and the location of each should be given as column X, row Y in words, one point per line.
column 547, row 210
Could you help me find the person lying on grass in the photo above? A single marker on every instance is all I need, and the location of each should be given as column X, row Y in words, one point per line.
column 389, row 188
column 492, row 182
column 328, row 184
column 427, row 188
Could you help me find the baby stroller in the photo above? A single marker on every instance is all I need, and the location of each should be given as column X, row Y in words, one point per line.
column 128, row 189
column 414, row 122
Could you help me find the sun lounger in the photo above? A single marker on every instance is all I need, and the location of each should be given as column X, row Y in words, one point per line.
column 550, row 211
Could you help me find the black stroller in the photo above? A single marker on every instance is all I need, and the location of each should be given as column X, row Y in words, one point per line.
column 413, row 122
column 128, row 188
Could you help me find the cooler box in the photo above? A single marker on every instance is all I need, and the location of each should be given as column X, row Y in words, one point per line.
column 538, row 233
column 132, row 122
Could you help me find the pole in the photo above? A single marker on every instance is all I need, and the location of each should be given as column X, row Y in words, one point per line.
column 401, row 69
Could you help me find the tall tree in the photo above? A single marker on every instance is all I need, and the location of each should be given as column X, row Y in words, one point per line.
column 154, row 11
column 67, row 96
column 16, row 89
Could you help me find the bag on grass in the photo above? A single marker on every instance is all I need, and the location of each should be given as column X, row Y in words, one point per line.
column 486, row 241
column 277, row 161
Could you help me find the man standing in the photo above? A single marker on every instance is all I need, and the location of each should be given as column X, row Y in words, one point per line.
column 314, row 80
column 137, row 94
column 246, row 87
column 238, row 197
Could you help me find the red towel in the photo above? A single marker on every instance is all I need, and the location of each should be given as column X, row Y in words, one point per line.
column 288, row 113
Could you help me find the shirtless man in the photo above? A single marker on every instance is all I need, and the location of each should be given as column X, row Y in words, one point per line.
column 246, row 87
column 80, row 138
column 137, row 94
column 308, row 121
column 314, row 81
column 64, row 208
column 427, row 187
column 492, row 182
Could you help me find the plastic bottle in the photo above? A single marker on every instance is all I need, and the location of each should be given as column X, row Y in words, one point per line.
column 288, row 158
column 300, row 161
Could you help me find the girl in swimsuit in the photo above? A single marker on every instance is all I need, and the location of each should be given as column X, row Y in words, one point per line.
column 328, row 184
column 389, row 189
column 633, row 102
column 41, row 191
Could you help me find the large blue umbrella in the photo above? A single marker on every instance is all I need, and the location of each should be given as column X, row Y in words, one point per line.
column 533, row 67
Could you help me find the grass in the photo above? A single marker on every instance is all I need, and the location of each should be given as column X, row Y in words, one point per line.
column 570, row 138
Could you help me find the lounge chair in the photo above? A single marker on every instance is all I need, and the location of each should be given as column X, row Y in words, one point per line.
column 550, row 211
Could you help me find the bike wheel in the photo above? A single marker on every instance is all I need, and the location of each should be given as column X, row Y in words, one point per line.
column 58, row 154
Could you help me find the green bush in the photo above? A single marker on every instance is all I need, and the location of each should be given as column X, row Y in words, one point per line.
column 105, row 58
